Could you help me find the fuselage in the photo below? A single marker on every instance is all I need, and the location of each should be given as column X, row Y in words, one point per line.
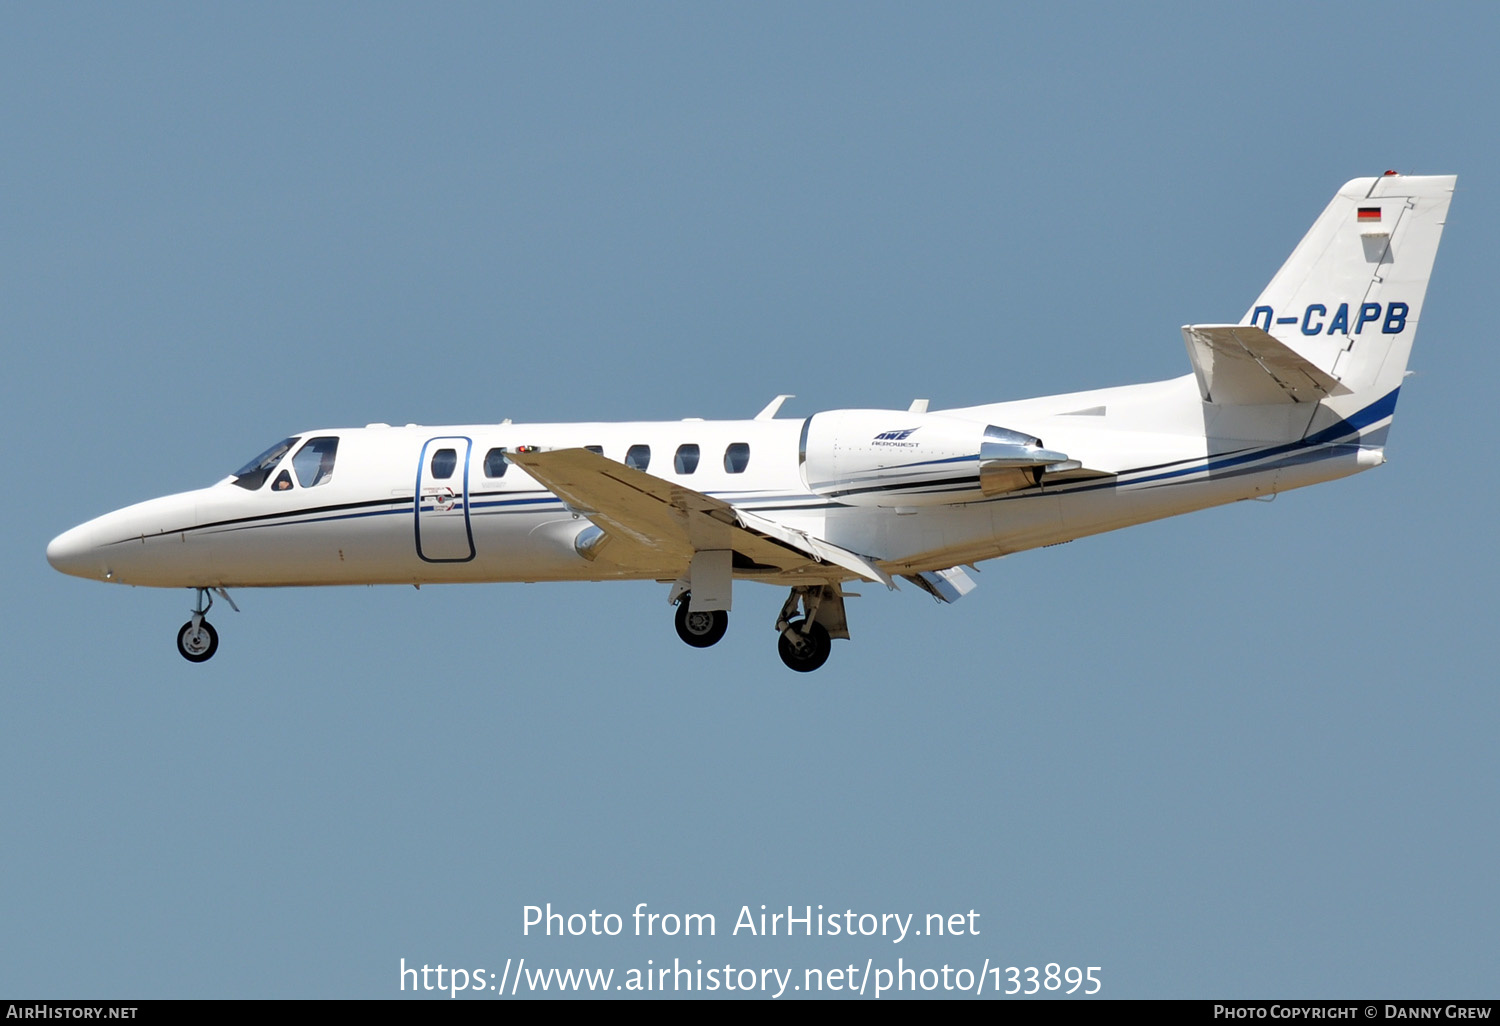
column 419, row 504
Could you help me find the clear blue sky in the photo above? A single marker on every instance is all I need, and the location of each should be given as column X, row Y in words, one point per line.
column 1249, row 752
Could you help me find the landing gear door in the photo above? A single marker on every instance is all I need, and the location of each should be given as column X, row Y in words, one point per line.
column 443, row 531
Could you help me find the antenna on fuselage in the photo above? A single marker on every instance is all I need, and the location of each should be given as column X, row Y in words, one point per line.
column 771, row 407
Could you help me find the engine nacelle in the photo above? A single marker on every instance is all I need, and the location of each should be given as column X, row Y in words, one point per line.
column 900, row 458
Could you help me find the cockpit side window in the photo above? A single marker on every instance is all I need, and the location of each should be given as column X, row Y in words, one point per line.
column 314, row 461
column 253, row 474
column 283, row 482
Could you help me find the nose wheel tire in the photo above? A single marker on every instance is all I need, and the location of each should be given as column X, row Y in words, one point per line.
column 700, row 628
column 197, row 645
column 810, row 652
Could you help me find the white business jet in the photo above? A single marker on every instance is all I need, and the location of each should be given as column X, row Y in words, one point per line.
column 1301, row 390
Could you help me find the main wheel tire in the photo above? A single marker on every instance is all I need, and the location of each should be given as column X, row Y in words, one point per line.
column 815, row 654
column 200, row 645
column 700, row 628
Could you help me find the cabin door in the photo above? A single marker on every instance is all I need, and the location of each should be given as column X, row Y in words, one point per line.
column 444, row 533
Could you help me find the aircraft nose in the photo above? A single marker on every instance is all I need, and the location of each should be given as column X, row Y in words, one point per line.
column 73, row 552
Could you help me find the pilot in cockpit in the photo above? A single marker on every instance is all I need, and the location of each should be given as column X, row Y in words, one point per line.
column 325, row 466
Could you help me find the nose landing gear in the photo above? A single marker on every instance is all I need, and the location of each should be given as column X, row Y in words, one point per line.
column 197, row 640
column 197, row 644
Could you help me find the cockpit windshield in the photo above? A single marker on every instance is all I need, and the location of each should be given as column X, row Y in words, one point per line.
column 253, row 474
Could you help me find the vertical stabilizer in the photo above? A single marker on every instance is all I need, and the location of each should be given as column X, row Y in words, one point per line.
column 1350, row 296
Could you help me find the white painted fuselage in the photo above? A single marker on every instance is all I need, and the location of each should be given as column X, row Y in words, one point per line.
column 374, row 520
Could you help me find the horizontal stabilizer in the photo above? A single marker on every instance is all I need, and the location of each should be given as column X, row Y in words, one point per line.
column 1243, row 365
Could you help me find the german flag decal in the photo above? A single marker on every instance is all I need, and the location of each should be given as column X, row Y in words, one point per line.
column 1369, row 214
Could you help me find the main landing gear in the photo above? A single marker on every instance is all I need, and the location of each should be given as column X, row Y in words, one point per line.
column 811, row 617
column 198, row 641
column 699, row 628
column 804, row 644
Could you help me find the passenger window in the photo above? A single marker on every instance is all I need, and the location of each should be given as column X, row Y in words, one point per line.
column 283, row 482
column 597, row 450
column 314, row 461
column 737, row 457
column 639, row 457
column 443, row 462
column 686, row 460
column 495, row 463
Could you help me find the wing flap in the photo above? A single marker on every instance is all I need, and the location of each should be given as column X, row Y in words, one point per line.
column 824, row 551
column 946, row 586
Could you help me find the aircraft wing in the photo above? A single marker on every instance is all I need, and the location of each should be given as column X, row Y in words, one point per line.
column 666, row 519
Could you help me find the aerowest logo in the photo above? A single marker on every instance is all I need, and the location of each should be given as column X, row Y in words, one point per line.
column 896, row 438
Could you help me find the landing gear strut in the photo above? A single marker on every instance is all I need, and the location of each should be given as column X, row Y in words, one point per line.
column 699, row 628
column 198, row 641
column 804, row 644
